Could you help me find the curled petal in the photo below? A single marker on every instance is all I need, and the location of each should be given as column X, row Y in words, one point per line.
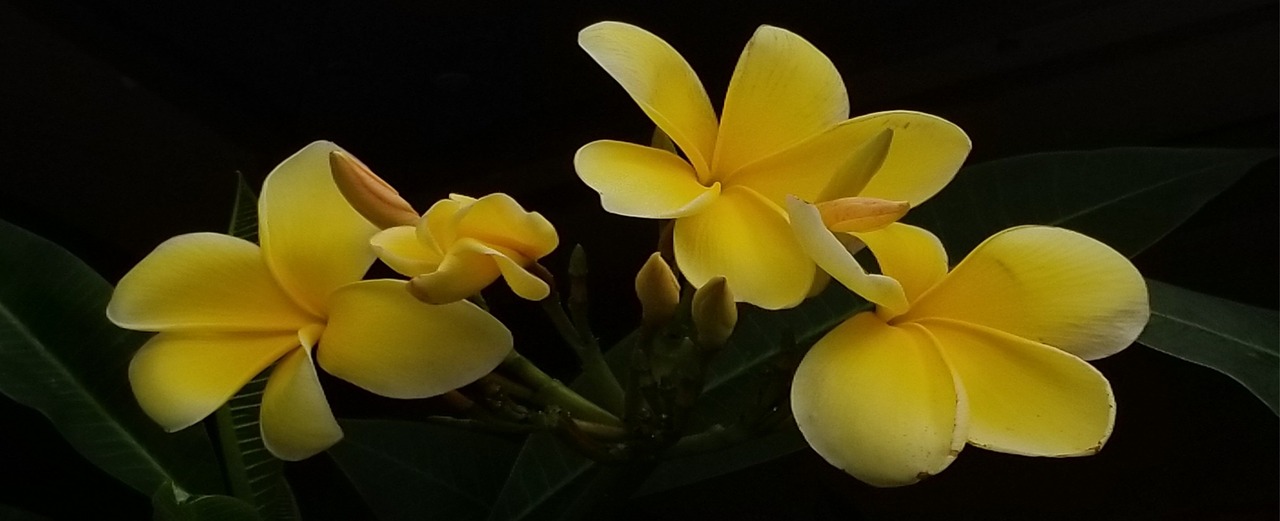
column 438, row 228
column 833, row 164
column 661, row 82
column 402, row 250
column 830, row 255
column 783, row 90
column 745, row 239
column 467, row 268
column 522, row 281
column 879, row 402
column 312, row 239
column 912, row 256
column 638, row 181
column 203, row 281
column 382, row 339
column 926, row 153
column 498, row 220
column 296, row 420
column 1026, row 398
column 180, row 378
column 1048, row 285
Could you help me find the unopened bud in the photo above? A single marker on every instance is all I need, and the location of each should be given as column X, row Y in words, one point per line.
column 376, row 200
column 714, row 313
column 861, row 214
column 658, row 290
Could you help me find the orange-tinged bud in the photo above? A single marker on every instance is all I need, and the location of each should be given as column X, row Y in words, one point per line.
column 861, row 214
column 659, row 291
column 714, row 313
column 376, row 200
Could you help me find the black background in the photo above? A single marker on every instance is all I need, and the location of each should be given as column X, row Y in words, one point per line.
column 123, row 124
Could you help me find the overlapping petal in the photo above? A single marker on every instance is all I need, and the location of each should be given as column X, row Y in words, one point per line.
column 180, row 378
column 908, row 254
column 833, row 164
column 296, row 421
column 639, row 181
column 745, row 239
column 1048, row 285
column 401, row 249
column 879, row 402
column 1024, row 397
column 927, row 152
column 783, row 91
column 661, row 82
column 199, row 281
column 382, row 339
column 826, row 250
column 312, row 240
column 499, row 221
column 467, row 268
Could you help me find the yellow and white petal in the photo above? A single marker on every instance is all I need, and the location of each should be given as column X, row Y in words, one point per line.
column 879, row 402
column 783, row 91
column 523, row 282
column 498, row 220
column 467, row 268
column 180, row 378
column 912, row 256
column 830, row 255
column 296, row 420
column 745, row 239
column 1024, row 397
column 382, row 339
column 1048, row 285
column 203, row 281
column 400, row 248
column 833, row 164
column 312, row 239
column 638, row 181
column 661, row 82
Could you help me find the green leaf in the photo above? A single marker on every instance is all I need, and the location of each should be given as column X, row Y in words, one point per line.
column 408, row 470
column 174, row 505
column 549, row 481
column 677, row 472
column 1127, row 198
column 255, row 475
column 9, row 513
column 60, row 355
column 1237, row 340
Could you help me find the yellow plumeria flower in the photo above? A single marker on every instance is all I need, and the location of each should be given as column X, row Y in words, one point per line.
column 226, row 309
column 785, row 130
column 461, row 245
column 992, row 353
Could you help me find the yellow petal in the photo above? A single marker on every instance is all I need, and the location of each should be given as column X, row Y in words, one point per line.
column 467, row 268
column 925, row 154
column 498, row 220
column 783, row 91
column 383, row 340
column 312, row 239
column 833, row 164
column 860, row 214
column 180, row 378
column 522, row 281
column 1026, row 398
column 638, row 181
column 826, row 250
column 400, row 248
column 203, row 281
column 661, row 82
column 296, row 420
column 1048, row 285
column 369, row 194
column 745, row 239
column 912, row 256
column 879, row 402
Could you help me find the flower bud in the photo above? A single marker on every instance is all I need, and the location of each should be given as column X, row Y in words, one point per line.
column 861, row 214
column 714, row 313
column 658, row 290
column 376, row 200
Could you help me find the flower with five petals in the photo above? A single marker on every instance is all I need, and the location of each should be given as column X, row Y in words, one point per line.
column 991, row 353
column 785, row 130
column 226, row 309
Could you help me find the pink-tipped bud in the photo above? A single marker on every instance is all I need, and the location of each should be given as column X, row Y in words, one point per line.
column 376, row 200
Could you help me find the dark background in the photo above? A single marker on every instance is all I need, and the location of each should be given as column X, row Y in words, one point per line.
column 123, row 124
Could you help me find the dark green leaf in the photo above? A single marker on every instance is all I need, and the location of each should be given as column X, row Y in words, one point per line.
column 1127, row 198
column 60, row 355
column 175, row 505
column 686, row 470
column 9, row 513
column 1239, row 341
column 549, row 481
column 409, row 470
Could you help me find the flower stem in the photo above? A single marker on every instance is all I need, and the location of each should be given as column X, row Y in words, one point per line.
column 549, row 391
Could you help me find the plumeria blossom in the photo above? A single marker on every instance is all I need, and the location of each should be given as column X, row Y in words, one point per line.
column 226, row 309
column 991, row 353
column 462, row 244
column 785, row 129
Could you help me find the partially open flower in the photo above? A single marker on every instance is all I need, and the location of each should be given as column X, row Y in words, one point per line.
column 461, row 245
